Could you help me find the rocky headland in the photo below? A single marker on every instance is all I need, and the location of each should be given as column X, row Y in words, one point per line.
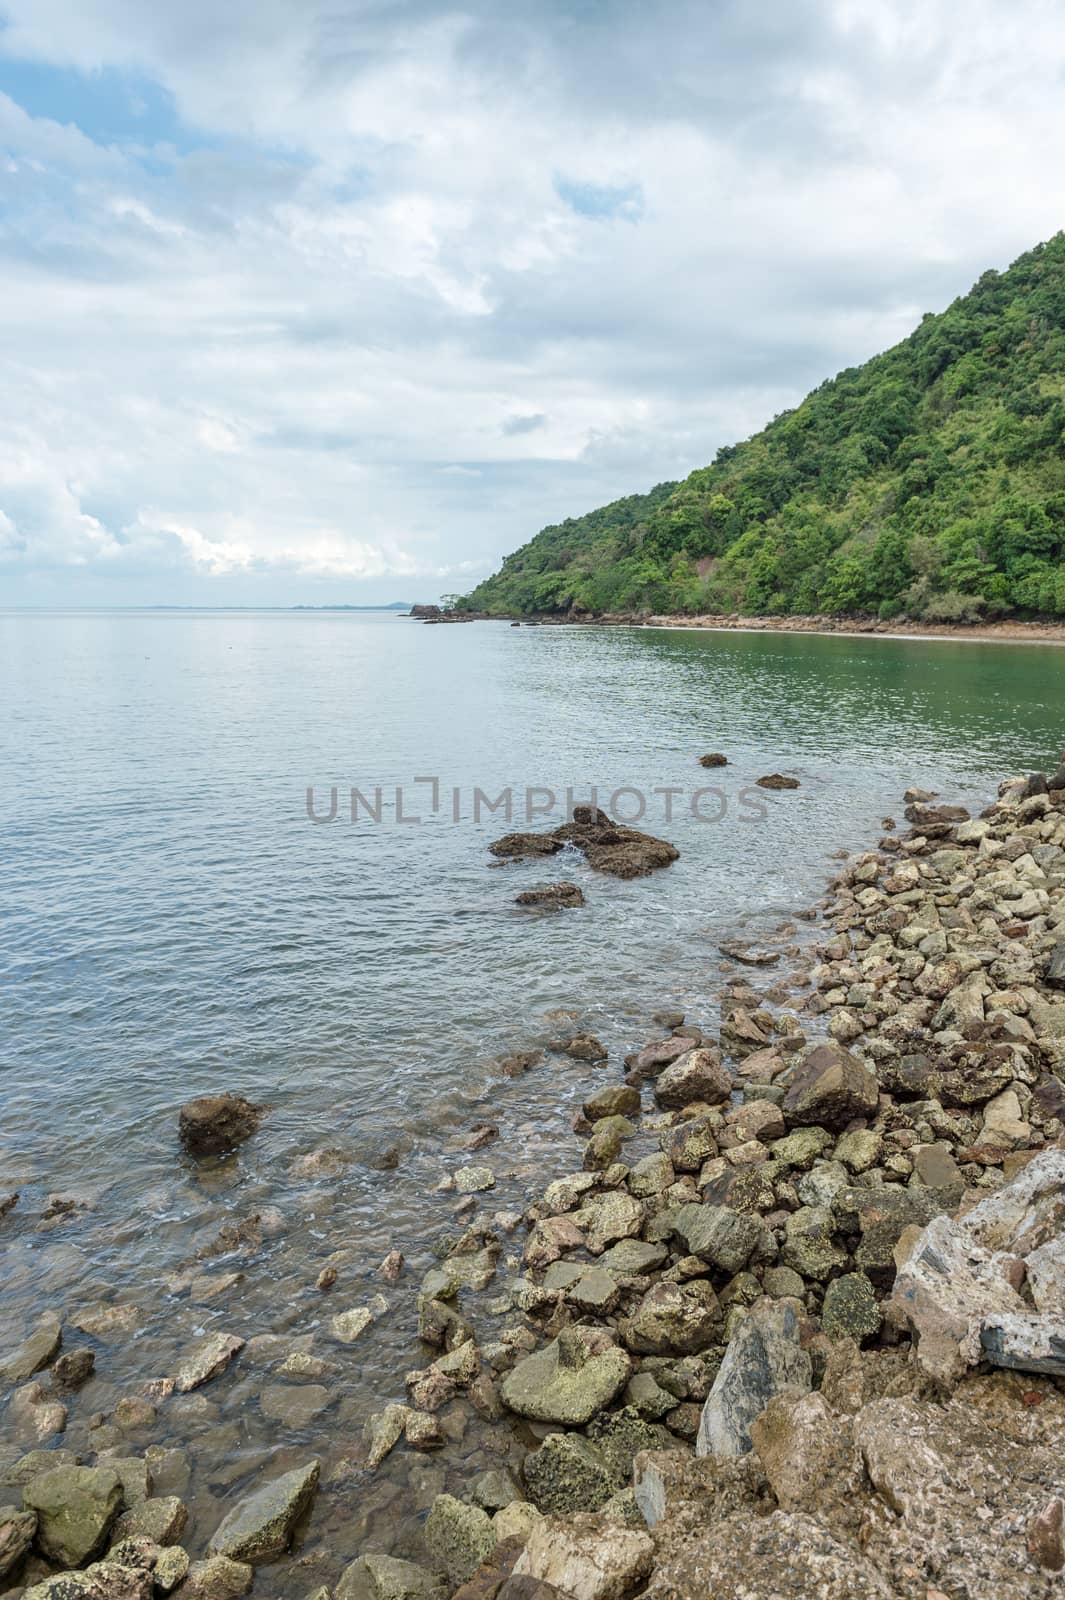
column 791, row 1323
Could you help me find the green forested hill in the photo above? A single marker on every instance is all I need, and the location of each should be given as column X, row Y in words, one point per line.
column 929, row 482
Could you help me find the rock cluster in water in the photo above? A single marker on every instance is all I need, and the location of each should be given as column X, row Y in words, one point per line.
column 796, row 1325
column 607, row 846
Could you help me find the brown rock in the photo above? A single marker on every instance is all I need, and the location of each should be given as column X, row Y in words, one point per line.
column 216, row 1123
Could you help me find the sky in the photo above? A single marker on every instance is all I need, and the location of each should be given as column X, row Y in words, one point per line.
column 312, row 301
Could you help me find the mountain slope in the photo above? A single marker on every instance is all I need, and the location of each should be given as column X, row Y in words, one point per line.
column 929, row 482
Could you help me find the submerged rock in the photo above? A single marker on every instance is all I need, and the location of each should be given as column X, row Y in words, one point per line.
column 206, row 1360
column 777, row 780
column 261, row 1526
column 216, row 1123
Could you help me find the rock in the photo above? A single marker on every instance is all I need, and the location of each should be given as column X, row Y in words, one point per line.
column 829, row 1087
column 809, row 1246
column 347, row 1326
column 649, row 1062
column 631, row 1258
column 17, row 1529
column 616, row 1100
column 1046, row 1535
column 690, row 1144
column 549, row 1238
column 612, row 848
column 764, row 1358
column 261, row 1526
column 458, row 1537
column 674, row 1319
column 766, row 1558
column 714, row 759
column 377, row 1577
column 76, row 1508
column 725, row 1238
column 206, row 1360
column 595, row 1292
column 216, row 1123
column 651, row 1176
column 515, row 845
column 515, row 1521
column 957, row 1292
column 586, row 1557
column 604, row 1147
column 1055, row 972
column 217, row 1578
column 106, row 1580
column 171, row 1567
column 748, row 955
column 777, row 780
column 107, row 1322
column 554, row 897
column 73, row 1368
column 473, row 1180
column 37, row 1351
column 568, row 1473
column 697, row 1076
column 850, row 1308
column 293, row 1404
column 582, row 1047
column 162, row 1520
column 568, row 1381
column 382, row 1431
column 606, row 1218
column 809, row 1456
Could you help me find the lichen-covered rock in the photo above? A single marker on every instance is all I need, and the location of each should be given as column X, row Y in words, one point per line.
column 458, row 1537
column 217, row 1578
column 76, row 1508
column 378, row 1577
column 674, row 1318
column 106, row 1580
column 260, row 1527
column 850, row 1308
column 829, row 1087
column 162, row 1520
column 764, row 1358
column 568, row 1381
column 586, row 1557
column 606, row 1218
column 810, row 1247
column 568, row 1473
column 616, row 1100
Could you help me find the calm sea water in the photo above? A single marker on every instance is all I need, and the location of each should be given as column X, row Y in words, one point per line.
column 172, row 923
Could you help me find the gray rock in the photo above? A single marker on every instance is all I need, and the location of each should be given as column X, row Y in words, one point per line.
column 217, row 1578
column 955, row 1289
column 261, row 1526
column 162, row 1520
column 719, row 1235
column 76, row 1508
column 206, row 1360
column 764, row 1358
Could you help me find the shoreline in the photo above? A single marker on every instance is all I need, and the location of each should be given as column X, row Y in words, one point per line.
column 1006, row 632
column 729, row 1184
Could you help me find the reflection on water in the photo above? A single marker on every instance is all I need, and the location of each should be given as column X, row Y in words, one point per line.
column 171, row 923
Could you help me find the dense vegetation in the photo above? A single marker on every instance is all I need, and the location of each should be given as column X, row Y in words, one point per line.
column 929, row 482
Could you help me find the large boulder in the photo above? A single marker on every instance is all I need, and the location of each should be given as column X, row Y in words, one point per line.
column 216, row 1123
column 829, row 1088
column 958, row 1288
column 260, row 1527
column 75, row 1507
column 697, row 1076
column 569, row 1380
column 764, row 1358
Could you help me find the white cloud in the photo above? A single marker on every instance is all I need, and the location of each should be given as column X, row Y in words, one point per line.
column 342, row 323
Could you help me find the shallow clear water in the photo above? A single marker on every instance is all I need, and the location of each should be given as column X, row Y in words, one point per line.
column 172, row 923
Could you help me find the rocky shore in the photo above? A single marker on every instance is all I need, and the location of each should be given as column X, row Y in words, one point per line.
column 792, row 1322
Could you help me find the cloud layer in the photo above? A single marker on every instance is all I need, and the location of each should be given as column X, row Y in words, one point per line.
column 337, row 299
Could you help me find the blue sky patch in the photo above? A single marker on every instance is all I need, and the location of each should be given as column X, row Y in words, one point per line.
column 601, row 201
